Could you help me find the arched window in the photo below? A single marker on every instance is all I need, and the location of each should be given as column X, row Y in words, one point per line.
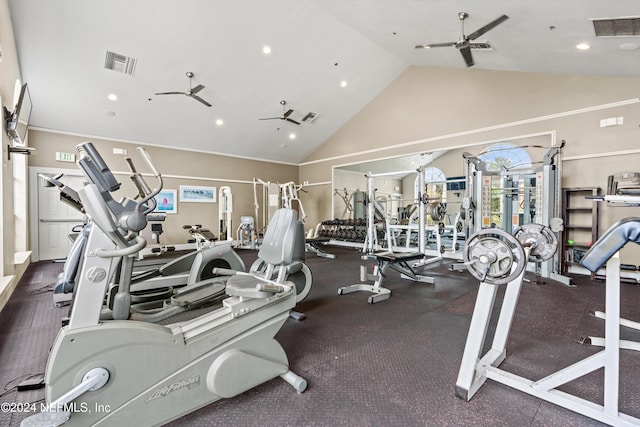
column 505, row 156
column 509, row 189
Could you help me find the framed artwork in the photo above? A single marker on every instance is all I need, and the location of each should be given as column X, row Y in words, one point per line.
column 167, row 201
column 197, row 194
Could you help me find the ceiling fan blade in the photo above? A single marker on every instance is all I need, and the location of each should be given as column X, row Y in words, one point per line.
column 287, row 114
column 197, row 89
column 293, row 121
column 466, row 54
column 271, row 118
column 428, row 46
column 170, row 93
column 197, row 98
column 488, row 27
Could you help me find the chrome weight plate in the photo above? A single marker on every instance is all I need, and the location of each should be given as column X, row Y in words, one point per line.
column 494, row 256
column 540, row 239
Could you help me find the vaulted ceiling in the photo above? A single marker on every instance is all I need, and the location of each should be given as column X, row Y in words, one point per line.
column 327, row 57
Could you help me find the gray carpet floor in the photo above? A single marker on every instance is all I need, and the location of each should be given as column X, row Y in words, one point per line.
column 393, row 363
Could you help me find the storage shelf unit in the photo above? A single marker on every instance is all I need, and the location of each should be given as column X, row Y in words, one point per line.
column 581, row 218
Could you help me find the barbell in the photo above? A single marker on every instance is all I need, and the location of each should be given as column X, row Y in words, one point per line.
column 497, row 257
column 540, row 239
column 494, row 256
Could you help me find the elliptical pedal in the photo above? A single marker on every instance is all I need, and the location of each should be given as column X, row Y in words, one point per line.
column 198, row 295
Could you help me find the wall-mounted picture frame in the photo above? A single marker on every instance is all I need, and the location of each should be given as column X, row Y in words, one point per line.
column 167, row 201
column 197, row 194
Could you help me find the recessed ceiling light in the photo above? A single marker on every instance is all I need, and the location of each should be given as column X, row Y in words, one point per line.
column 219, row 122
column 582, row 46
column 292, row 136
column 266, row 50
column 629, row 46
column 112, row 97
column 343, row 83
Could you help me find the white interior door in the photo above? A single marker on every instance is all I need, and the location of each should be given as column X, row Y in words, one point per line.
column 56, row 219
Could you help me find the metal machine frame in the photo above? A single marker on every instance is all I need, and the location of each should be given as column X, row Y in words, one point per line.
column 546, row 191
column 143, row 373
column 476, row 368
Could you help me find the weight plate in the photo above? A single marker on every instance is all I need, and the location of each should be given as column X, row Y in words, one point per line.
column 541, row 239
column 494, row 256
column 437, row 210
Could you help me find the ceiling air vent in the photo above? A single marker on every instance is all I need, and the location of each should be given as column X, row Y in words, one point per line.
column 617, row 27
column 310, row 117
column 120, row 63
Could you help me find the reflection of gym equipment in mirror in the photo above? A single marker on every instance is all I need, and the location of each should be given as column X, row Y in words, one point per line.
column 506, row 198
column 495, row 257
column 388, row 259
column 348, row 201
column 399, row 232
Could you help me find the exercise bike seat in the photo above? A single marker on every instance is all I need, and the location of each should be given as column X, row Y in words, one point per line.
column 277, row 250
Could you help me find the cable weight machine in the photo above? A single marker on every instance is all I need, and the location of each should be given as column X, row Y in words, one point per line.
column 524, row 196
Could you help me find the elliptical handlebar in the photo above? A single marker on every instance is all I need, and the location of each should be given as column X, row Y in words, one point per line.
column 121, row 220
column 139, row 245
column 145, row 193
column 150, row 193
column 96, row 169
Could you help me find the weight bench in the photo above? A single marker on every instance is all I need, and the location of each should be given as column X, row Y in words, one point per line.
column 312, row 245
column 396, row 261
column 614, row 239
column 476, row 367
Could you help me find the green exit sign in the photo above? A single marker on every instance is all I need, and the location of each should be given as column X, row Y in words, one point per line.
column 65, row 157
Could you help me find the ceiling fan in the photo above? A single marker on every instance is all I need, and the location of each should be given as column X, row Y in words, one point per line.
column 284, row 116
column 191, row 92
column 465, row 44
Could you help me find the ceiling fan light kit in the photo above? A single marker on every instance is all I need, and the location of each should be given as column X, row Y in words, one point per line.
column 465, row 43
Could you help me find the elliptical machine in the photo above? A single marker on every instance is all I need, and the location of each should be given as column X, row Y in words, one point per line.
column 111, row 372
column 150, row 282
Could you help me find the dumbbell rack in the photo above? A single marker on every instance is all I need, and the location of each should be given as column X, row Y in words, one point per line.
column 347, row 230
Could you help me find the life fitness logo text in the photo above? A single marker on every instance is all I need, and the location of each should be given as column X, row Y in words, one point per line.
column 178, row 385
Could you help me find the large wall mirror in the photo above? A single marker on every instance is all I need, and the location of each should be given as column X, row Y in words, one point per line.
column 445, row 177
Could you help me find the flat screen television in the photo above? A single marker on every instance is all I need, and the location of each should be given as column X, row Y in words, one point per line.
column 17, row 121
